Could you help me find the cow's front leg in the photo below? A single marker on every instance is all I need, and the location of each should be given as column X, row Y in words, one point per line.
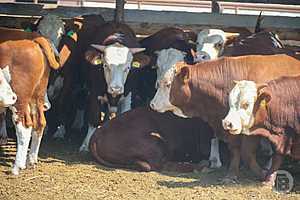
column 85, row 144
column 214, row 157
column 23, row 138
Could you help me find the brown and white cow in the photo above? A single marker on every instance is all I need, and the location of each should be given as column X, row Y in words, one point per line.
column 113, row 53
column 201, row 90
column 271, row 110
column 145, row 140
column 29, row 57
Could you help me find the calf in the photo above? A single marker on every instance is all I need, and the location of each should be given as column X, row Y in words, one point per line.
column 201, row 90
column 271, row 110
column 144, row 140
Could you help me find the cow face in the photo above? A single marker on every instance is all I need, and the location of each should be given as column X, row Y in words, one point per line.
column 7, row 96
column 52, row 27
column 211, row 42
column 116, row 61
column 242, row 99
column 166, row 69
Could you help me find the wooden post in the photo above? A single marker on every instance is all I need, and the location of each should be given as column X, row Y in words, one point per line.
column 216, row 7
column 119, row 11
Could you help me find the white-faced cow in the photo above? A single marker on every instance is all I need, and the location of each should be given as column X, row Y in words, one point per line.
column 271, row 110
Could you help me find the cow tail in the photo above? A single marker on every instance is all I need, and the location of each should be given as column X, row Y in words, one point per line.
column 48, row 51
column 258, row 23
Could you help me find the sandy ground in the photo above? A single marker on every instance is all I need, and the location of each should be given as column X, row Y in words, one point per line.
column 63, row 173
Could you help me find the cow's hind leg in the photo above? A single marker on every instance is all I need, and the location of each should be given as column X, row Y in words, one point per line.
column 214, row 157
column 23, row 138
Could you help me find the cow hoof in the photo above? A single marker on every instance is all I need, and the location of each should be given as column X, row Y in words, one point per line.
column 215, row 163
column 229, row 180
column 270, row 180
column 83, row 148
column 3, row 141
column 15, row 170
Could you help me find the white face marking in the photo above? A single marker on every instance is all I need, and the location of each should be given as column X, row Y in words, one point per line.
column 86, row 141
column 166, row 61
column 207, row 40
column 117, row 63
column 52, row 27
column 7, row 96
column 241, row 101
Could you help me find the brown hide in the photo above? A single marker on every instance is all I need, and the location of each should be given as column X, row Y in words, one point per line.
column 14, row 34
column 202, row 90
column 29, row 73
column 142, row 139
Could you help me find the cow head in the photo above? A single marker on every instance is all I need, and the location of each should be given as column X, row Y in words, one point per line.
column 245, row 99
column 7, row 96
column 52, row 27
column 166, row 69
column 211, row 43
column 116, row 61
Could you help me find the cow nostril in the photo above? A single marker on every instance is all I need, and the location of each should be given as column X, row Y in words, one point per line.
column 14, row 98
column 152, row 105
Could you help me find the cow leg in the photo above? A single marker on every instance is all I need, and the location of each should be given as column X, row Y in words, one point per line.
column 214, row 157
column 234, row 167
column 277, row 160
column 124, row 104
column 248, row 154
column 3, row 132
column 79, row 119
column 34, row 148
column 23, row 138
column 86, row 141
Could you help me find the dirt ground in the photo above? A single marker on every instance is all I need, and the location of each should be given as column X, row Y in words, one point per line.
column 63, row 173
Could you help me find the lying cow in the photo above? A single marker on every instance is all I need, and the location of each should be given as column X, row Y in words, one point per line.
column 201, row 90
column 271, row 110
column 145, row 140
column 114, row 54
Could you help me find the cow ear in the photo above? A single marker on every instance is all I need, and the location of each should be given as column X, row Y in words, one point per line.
column 137, row 50
column 260, row 87
column 184, row 74
column 93, row 57
column 230, row 38
column 263, row 99
column 99, row 47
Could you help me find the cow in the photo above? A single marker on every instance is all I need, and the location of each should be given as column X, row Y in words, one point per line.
column 201, row 90
column 144, row 140
column 114, row 50
column 7, row 98
column 29, row 81
column 68, row 88
column 170, row 37
column 271, row 110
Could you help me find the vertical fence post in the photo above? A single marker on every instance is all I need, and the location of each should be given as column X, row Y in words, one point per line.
column 119, row 11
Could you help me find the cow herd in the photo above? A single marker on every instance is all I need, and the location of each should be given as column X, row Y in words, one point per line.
column 167, row 101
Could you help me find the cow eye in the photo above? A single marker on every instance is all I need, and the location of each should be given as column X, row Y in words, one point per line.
column 218, row 45
column 168, row 85
column 245, row 105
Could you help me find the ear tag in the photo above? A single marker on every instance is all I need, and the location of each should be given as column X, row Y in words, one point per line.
column 70, row 33
column 28, row 29
column 136, row 64
column 263, row 104
column 98, row 61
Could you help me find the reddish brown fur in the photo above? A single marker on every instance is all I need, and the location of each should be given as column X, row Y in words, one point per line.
column 145, row 140
column 29, row 72
column 205, row 92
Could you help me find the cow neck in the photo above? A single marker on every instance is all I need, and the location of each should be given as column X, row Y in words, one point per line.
column 282, row 109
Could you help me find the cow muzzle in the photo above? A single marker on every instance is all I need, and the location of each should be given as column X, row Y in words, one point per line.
column 115, row 90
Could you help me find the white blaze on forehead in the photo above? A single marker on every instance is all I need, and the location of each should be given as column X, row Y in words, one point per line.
column 241, row 101
column 117, row 55
column 165, row 74
column 206, row 41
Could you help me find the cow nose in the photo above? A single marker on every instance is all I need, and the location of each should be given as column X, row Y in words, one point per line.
column 116, row 89
column 227, row 125
column 152, row 105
